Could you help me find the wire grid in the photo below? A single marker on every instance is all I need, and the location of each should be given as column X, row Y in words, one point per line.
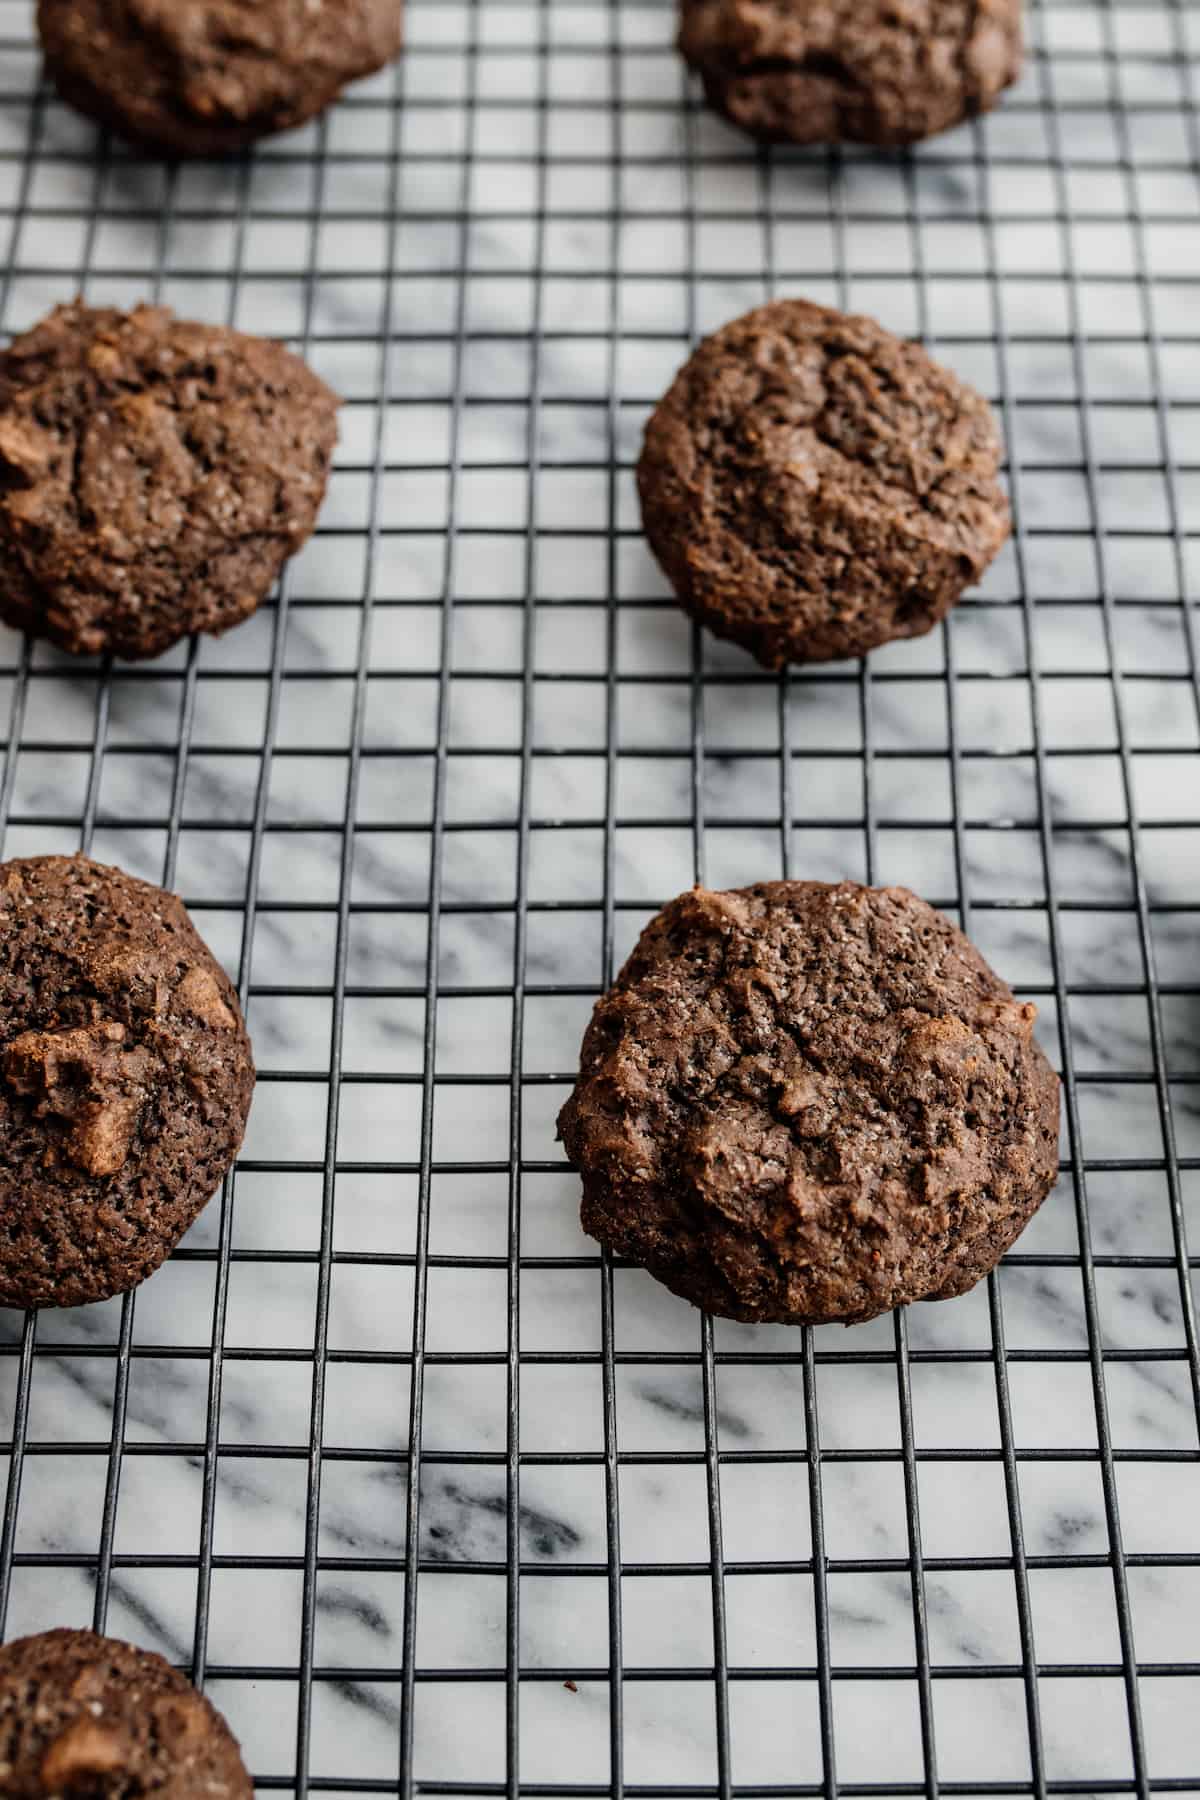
column 428, row 1494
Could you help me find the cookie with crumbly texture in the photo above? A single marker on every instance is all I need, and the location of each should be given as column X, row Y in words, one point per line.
column 804, row 1103
column 207, row 77
column 88, row 1715
column 155, row 475
column 814, row 486
column 125, row 1079
column 883, row 72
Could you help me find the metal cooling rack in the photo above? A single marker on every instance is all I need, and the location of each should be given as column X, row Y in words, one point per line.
column 422, row 804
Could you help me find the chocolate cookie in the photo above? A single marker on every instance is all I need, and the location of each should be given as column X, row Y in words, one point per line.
column 205, row 77
column 91, row 1716
column 805, row 1103
column 125, row 1079
column 154, row 476
column 814, row 486
column 858, row 71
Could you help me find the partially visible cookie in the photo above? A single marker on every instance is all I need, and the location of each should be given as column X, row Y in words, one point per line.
column 814, row 486
column 125, row 1079
column 155, row 475
column 90, row 1716
column 205, row 77
column 805, row 1103
column 883, row 72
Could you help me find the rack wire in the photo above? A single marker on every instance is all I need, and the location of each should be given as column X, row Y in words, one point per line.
column 430, row 1496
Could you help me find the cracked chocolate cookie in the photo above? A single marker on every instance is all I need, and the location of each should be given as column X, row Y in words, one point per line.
column 206, row 77
column 155, row 476
column 125, row 1079
column 805, row 1103
column 814, row 486
column 883, row 72
column 91, row 1716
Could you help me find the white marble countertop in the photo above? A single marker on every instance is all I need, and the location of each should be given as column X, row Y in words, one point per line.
column 563, row 220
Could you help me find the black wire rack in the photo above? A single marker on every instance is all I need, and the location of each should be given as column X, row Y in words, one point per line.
column 426, row 1493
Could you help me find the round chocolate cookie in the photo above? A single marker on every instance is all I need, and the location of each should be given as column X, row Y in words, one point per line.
column 155, row 476
column 813, row 486
column 125, row 1079
column 804, row 1103
column 858, row 71
column 91, row 1716
column 205, row 77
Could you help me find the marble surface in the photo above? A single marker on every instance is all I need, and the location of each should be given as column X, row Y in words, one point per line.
column 555, row 182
